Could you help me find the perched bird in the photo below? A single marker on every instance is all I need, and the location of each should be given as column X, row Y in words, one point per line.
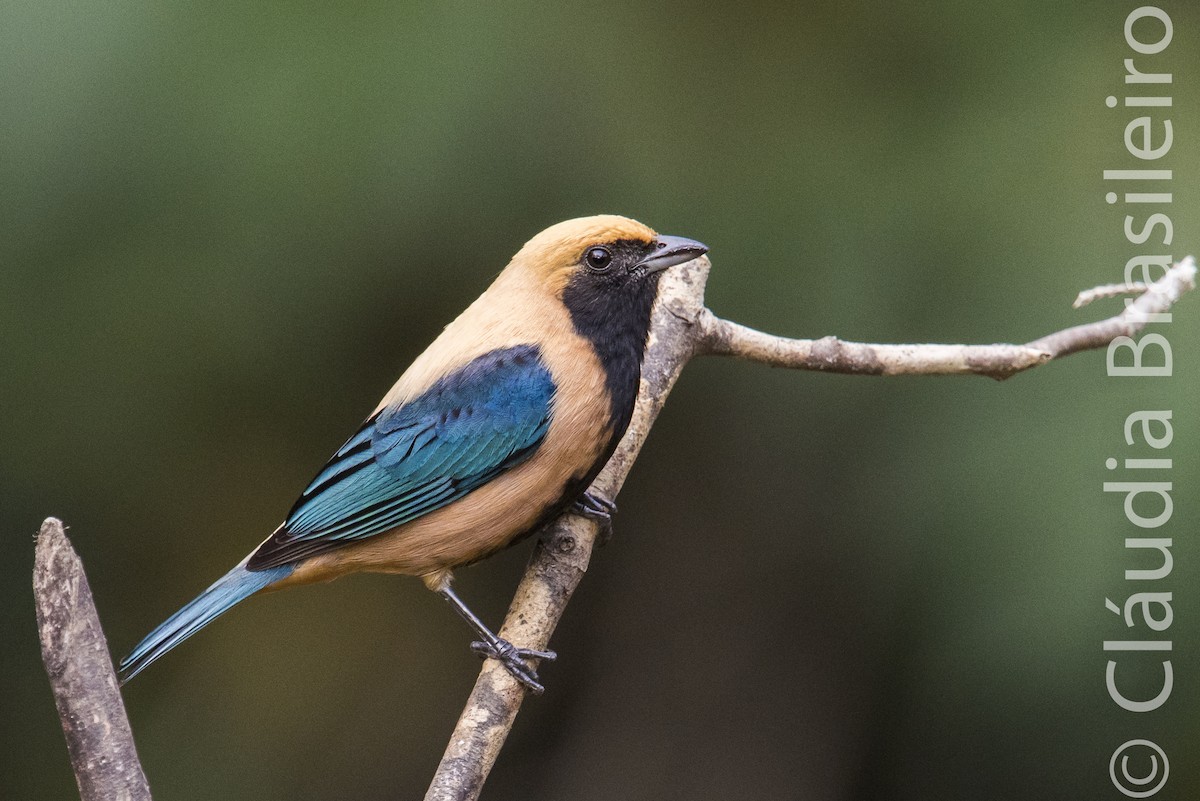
column 499, row 426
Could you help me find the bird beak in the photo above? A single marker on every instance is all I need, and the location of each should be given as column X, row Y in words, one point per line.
column 669, row 251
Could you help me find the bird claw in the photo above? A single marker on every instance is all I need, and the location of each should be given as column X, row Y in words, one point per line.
column 597, row 507
column 513, row 659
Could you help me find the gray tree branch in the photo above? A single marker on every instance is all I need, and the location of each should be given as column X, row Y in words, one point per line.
column 81, row 674
column 832, row 355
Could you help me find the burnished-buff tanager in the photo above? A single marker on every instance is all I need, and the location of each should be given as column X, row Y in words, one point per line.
column 498, row 427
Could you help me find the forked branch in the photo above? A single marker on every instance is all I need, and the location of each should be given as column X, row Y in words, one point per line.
column 682, row 328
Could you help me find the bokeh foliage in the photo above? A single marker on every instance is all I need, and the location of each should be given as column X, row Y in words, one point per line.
column 225, row 228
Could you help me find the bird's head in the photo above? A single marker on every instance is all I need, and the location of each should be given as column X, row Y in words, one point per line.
column 604, row 270
column 602, row 260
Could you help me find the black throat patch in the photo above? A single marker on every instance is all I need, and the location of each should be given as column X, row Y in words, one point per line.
column 612, row 311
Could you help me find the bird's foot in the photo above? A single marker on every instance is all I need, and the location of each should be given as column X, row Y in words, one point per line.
column 595, row 506
column 599, row 508
column 513, row 659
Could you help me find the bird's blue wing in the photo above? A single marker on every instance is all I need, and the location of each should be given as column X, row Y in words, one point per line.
column 406, row 461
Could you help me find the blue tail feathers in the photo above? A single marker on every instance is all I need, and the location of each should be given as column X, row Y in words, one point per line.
column 236, row 585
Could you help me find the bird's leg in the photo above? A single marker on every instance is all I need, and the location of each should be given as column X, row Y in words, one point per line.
column 494, row 647
column 597, row 507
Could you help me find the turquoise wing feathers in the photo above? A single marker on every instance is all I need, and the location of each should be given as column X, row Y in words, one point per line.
column 407, row 461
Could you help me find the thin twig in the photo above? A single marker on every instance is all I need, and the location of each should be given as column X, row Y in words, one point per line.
column 1087, row 296
column 832, row 355
column 81, row 674
column 1158, row 298
column 683, row 328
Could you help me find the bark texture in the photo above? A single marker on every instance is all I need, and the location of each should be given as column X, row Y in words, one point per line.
column 81, row 673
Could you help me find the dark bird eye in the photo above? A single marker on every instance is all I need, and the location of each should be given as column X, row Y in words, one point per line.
column 598, row 259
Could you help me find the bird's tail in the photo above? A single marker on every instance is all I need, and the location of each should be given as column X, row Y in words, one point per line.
column 236, row 585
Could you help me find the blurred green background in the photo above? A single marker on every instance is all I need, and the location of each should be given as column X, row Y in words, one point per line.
column 225, row 229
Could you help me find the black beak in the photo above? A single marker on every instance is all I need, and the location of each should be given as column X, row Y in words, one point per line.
column 669, row 251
